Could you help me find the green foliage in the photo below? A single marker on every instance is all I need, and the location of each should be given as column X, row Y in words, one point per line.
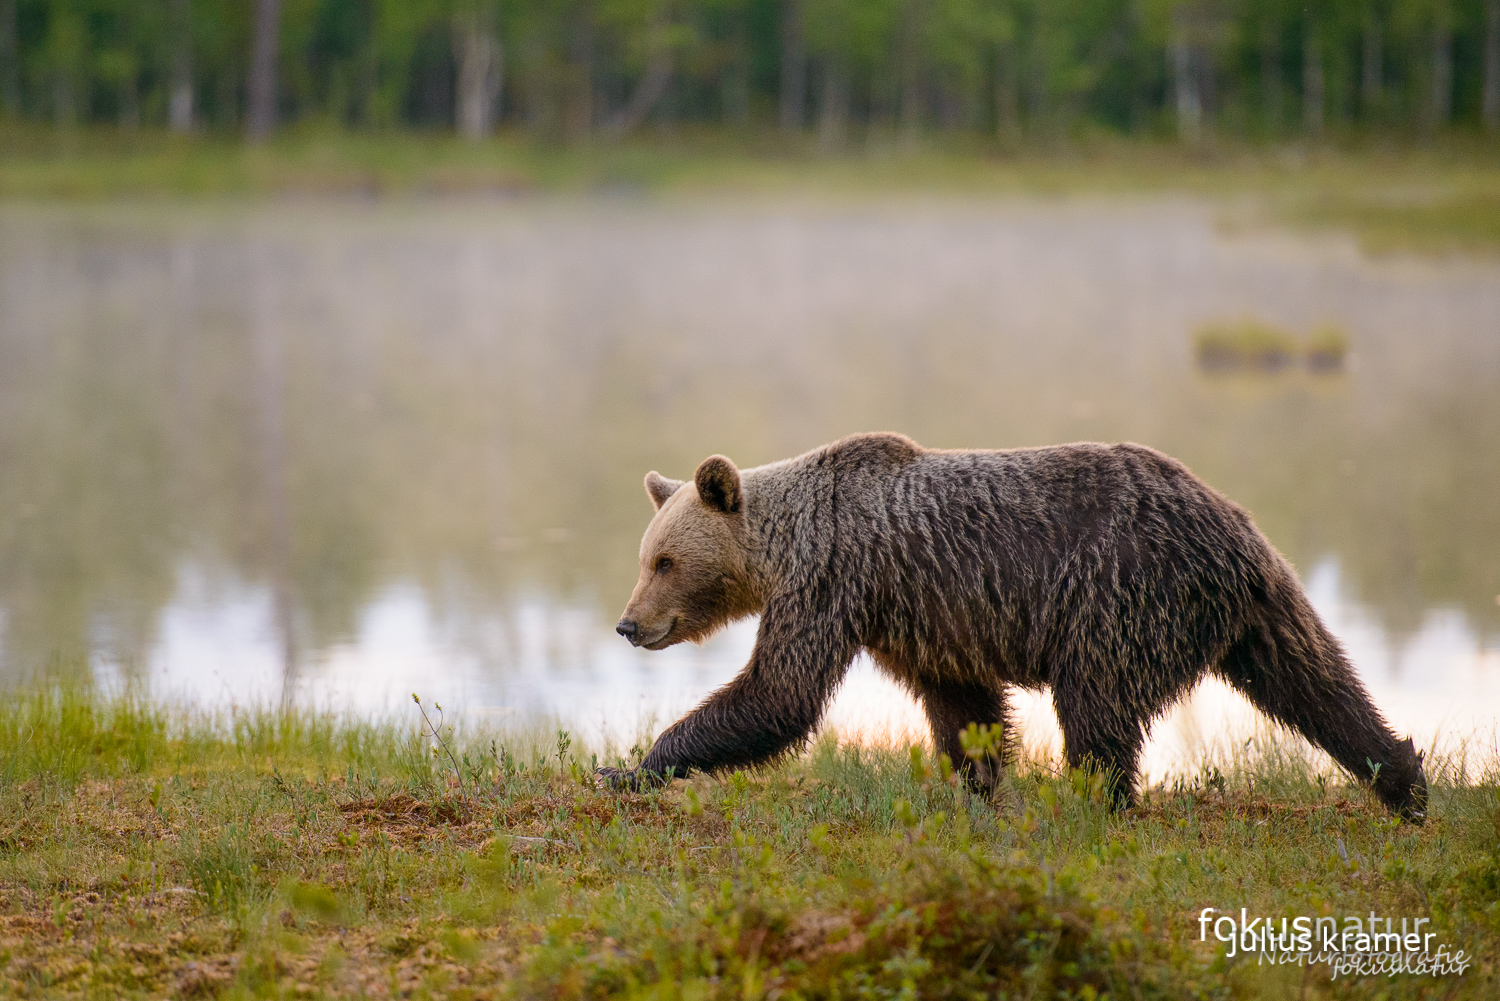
column 567, row 68
column 946, row 925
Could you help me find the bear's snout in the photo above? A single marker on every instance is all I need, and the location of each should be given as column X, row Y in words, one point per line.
column 651, row 635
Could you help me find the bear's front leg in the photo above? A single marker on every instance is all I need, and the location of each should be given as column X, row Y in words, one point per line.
column 768, row 709
column 951, row 707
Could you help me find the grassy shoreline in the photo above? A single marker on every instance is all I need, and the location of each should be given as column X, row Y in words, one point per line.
column 149, row 851
column 1440, row 199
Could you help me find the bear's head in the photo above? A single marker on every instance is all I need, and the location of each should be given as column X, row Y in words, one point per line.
column 695, row 573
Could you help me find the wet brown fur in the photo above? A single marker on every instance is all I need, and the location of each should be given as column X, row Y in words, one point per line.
column 1108, row 573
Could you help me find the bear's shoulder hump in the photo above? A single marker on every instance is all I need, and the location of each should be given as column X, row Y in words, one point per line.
column 875, row 448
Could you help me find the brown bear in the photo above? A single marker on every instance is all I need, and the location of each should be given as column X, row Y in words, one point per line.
column 1108, row 573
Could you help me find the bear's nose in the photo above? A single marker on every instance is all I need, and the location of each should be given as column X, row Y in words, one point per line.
column 627, row 628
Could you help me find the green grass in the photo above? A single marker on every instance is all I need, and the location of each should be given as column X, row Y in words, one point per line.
column 1438, row 198
column 147, row 850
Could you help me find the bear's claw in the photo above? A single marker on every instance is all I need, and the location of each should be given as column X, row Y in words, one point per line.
column 631, row 780
column 614, row 778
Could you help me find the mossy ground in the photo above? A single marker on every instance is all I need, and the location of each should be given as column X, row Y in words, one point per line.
column 1437, row 197
column 148, row 851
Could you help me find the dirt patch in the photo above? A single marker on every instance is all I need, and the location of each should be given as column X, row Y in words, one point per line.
column 602, row 810
column 206, row 978
column 814, row 936
column 403, row 810
column 1216, row 809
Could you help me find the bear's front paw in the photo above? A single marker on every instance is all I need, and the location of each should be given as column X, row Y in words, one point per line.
column 618, row 778
column 633, row 779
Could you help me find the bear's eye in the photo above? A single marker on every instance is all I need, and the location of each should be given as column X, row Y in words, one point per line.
column 664, row 564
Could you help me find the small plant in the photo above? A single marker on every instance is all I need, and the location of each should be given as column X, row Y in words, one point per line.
column 983, row 745
column 436, row 733
column 564, row 741
column 221, row 867
column 317, row 901
column 920, row 772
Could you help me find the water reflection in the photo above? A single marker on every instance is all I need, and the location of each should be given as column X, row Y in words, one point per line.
column 340, row 453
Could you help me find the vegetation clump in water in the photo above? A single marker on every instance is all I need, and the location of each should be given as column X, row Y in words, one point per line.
column 147, row 851
column 1326, row 349
column 1254, row 346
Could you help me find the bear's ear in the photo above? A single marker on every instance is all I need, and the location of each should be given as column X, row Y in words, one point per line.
column 718, row 484
column 659, row 488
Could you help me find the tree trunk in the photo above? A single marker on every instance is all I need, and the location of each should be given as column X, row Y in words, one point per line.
column 1372, row 69
column 1270, row 75
column 735, row 81
column 539, row 90
column 130, row 102
column 793, row 67
column 1490, row 106
column 579, row 112
column 913, row 93
column 262, row 112
column 652, row 86
column 953, row 108
column 10, row 66
column 1007, row 92
column 1185, row 87
column 226, row 98
column 1039, row 70
column 180, row 108
column 66, row 51
column 833, row 110
column 1312, row 81
column 1442, row 66
column 650, row 90
column 480, row 60
column 180, row 103
column 64, row 114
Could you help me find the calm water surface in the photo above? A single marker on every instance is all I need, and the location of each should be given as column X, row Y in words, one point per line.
column 337, row 454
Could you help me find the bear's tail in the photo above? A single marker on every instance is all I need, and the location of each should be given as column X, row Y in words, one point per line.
column 1295, row 671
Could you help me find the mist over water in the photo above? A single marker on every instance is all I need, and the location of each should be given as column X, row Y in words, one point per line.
column 335, row 454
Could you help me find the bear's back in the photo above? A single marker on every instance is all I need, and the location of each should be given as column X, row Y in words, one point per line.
column 1032, row 510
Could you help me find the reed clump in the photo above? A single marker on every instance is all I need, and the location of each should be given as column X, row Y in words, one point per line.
column 1253, row 346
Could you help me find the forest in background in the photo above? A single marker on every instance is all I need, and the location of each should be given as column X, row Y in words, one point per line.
column 576, row 69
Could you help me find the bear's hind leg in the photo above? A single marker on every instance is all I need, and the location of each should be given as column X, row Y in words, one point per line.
column 950, row 708
column 1295, row 673
column 1098, row 734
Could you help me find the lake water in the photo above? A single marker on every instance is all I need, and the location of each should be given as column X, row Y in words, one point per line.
column 337, row 453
